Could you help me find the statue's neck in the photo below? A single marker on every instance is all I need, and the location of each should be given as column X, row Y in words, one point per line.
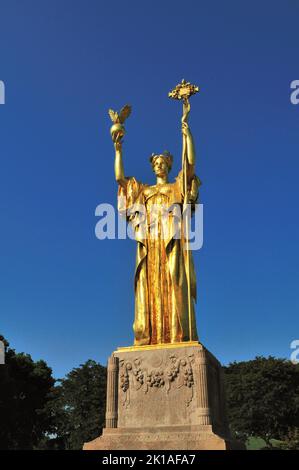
column 162, row 180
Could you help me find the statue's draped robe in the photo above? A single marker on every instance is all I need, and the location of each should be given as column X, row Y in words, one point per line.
column 160, row 282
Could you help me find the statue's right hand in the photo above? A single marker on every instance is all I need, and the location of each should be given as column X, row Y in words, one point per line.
column 118, row 145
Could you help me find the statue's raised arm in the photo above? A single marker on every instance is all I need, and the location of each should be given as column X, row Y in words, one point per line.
column 118, row 165
column 188, row 143
column 182, row 92
column 117, row 132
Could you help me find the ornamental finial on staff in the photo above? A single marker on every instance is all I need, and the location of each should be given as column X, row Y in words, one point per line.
column 183, row 91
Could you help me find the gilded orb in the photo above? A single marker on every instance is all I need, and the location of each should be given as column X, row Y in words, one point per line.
column 117, row 131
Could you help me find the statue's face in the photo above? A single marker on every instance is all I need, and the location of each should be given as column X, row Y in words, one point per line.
column 160, row 167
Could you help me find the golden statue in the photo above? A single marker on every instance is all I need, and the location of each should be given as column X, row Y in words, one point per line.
column 165, row 283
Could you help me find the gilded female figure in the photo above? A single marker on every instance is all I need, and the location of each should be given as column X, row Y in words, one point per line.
column 160, row 282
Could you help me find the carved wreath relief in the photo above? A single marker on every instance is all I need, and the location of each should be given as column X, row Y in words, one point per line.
column 176, row 373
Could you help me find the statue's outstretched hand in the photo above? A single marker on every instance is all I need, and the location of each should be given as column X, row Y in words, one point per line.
column 118, row 142
column 186, row 110
column 185, row 129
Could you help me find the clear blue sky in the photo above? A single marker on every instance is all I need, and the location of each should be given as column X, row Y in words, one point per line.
column 66, row 296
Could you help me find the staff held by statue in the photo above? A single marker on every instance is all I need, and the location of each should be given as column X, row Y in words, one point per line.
column 183, row 91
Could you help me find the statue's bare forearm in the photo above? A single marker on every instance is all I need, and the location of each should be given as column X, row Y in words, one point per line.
column 190, row 149
column 119, row 167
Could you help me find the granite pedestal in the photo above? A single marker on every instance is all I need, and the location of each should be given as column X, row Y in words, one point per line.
column 165, row 397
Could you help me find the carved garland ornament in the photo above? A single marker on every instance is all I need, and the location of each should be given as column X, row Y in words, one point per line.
column 177, row 373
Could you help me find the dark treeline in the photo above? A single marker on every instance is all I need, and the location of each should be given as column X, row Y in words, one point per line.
column 37, row 412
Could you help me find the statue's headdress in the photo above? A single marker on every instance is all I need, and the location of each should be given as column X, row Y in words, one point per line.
column 166, row 155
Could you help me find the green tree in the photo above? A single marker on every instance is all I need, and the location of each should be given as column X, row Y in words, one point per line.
column 78, row 406
column 25, row 386
column 291, row 441
column 263, row 398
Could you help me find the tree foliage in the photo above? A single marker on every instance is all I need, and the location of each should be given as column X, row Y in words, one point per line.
column 37, row 414
column 78, row 406
column 24, row 391
column 263, row 398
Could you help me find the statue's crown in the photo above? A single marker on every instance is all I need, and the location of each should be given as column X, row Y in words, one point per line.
column 166, row 155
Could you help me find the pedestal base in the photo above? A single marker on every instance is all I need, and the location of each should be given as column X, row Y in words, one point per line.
column 168, row 438
column 165, row 397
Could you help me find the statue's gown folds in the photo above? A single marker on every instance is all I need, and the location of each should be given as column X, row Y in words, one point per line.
column 161, row 292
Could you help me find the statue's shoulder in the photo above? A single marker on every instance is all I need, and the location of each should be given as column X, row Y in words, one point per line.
column 134, row 186
column 133, row 181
